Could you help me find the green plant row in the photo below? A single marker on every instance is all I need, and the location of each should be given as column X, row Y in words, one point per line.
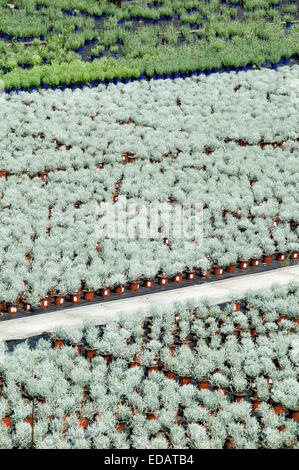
column 67, row 157
column 219, row 40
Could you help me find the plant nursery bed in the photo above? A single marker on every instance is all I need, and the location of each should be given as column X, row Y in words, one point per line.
column 206, row 142
column 194, row 376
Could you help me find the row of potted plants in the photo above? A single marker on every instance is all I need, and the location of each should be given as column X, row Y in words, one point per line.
column 247, row 201
column 59, row 299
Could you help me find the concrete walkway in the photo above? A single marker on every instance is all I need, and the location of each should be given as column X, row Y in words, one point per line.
column 217, row 292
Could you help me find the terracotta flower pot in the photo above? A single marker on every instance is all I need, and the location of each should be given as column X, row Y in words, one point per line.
column 205, row 274
column 282, row 317
column 91, row 353
column 131, row 159
column 45, row 303
column 151, row 416
column 190, row 276
column 279, row 409
column 177, row 278
column 59, row 300
column 89, row 296
column 185, row 381
column 163, row 281
column 6, row 421
column 231, row 268
column 267, row 259
column 136, row 358
column 106, row 357
column 281, row 257
column 149, row 284
column 218, row 271
column 294, row 255
column 78, row 348
column 29, row 421
column 119, row 290
column 75, row 298
column 135, row 364
column 83, row 422
column 12, row 309
column 238, row 398
column 120, row 426
column 134, row 286
column 58, row 343
column 105, row 292
column 256, row 404
column 255, row 263
column 230, row 445
column 2, row 173
column 243, row 265
column 151, row 369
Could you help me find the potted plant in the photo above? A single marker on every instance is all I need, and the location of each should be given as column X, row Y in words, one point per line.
column 151, row 398
column 260, row 393
column 91, row 282
column 285, row 396
column 150, row 269
column 61, row 291
column 268, row 249
column 244, row 258
column 220, row 261
column 166, row 356
column 118, row 281
column 133, row 274
column 150, row 357
column 123, row 414
column 219, row 381
column 229, row 260
column 203, row 265
column 72, row 279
